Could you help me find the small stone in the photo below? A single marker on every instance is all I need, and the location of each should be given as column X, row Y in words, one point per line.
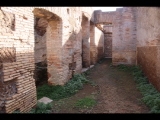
column 45, row 100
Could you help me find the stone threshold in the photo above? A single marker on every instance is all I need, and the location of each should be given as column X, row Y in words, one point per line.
column 85, row 69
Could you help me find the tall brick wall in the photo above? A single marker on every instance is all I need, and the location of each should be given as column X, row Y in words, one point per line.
column 123, row 33
column 124, row 37
column 72, row 44
column 148, row 42
column 17, row 91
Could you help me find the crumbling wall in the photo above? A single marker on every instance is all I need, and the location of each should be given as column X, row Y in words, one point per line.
column 40, row 25
column 40, row 74
column 103, row 17
column 124, row 36
column 64, row 41
column 148, row 41
column 17, row 85
column 72, row 43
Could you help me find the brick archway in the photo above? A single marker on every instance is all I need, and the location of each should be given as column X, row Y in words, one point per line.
column 51, row 29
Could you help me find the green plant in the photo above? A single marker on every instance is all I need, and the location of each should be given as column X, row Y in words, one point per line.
column 126, row 68
column 86, row 102
column 58, row 92
column 16, row 112
column 42, row 108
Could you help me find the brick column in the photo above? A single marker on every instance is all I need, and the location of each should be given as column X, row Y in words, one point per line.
column 85, row 42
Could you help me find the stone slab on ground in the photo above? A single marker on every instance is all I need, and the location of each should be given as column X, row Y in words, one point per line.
column 85, row 69
column 45, row 100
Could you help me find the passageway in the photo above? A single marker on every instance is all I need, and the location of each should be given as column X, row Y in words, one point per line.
column 118, row 92
column 115, row 92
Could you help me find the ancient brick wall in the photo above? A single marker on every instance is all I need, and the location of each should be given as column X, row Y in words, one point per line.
column 17, row 91
column 124, row 36
column 123, row 33
column 103, row 17
column 148, row 41
column 65, row 49
column 55, row 38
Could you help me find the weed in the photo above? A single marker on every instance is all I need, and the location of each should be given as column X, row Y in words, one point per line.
column 86, row 102
column 40, row 108
column 16, row 112
column 58, row 92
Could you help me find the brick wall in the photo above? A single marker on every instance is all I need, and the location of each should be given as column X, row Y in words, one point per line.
column 108, row 45
column 17, row 59
column 148, row 41
column 103, row 17
column 124, row 37
column 123, row 33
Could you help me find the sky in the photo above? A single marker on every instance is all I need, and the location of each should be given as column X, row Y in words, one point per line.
column 104, row 9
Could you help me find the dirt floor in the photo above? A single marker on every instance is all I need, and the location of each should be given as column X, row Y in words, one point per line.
column 114, row 91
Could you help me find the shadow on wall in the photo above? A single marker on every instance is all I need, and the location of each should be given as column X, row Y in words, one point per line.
column 40, row 75
column 96, row 44
column 85, row 41
column 100, row 47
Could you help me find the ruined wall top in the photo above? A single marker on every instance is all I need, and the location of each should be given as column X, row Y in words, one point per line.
column 108, row 17
column 103, row 17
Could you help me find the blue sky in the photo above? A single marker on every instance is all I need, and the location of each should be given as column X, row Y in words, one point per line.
column 104, row 9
